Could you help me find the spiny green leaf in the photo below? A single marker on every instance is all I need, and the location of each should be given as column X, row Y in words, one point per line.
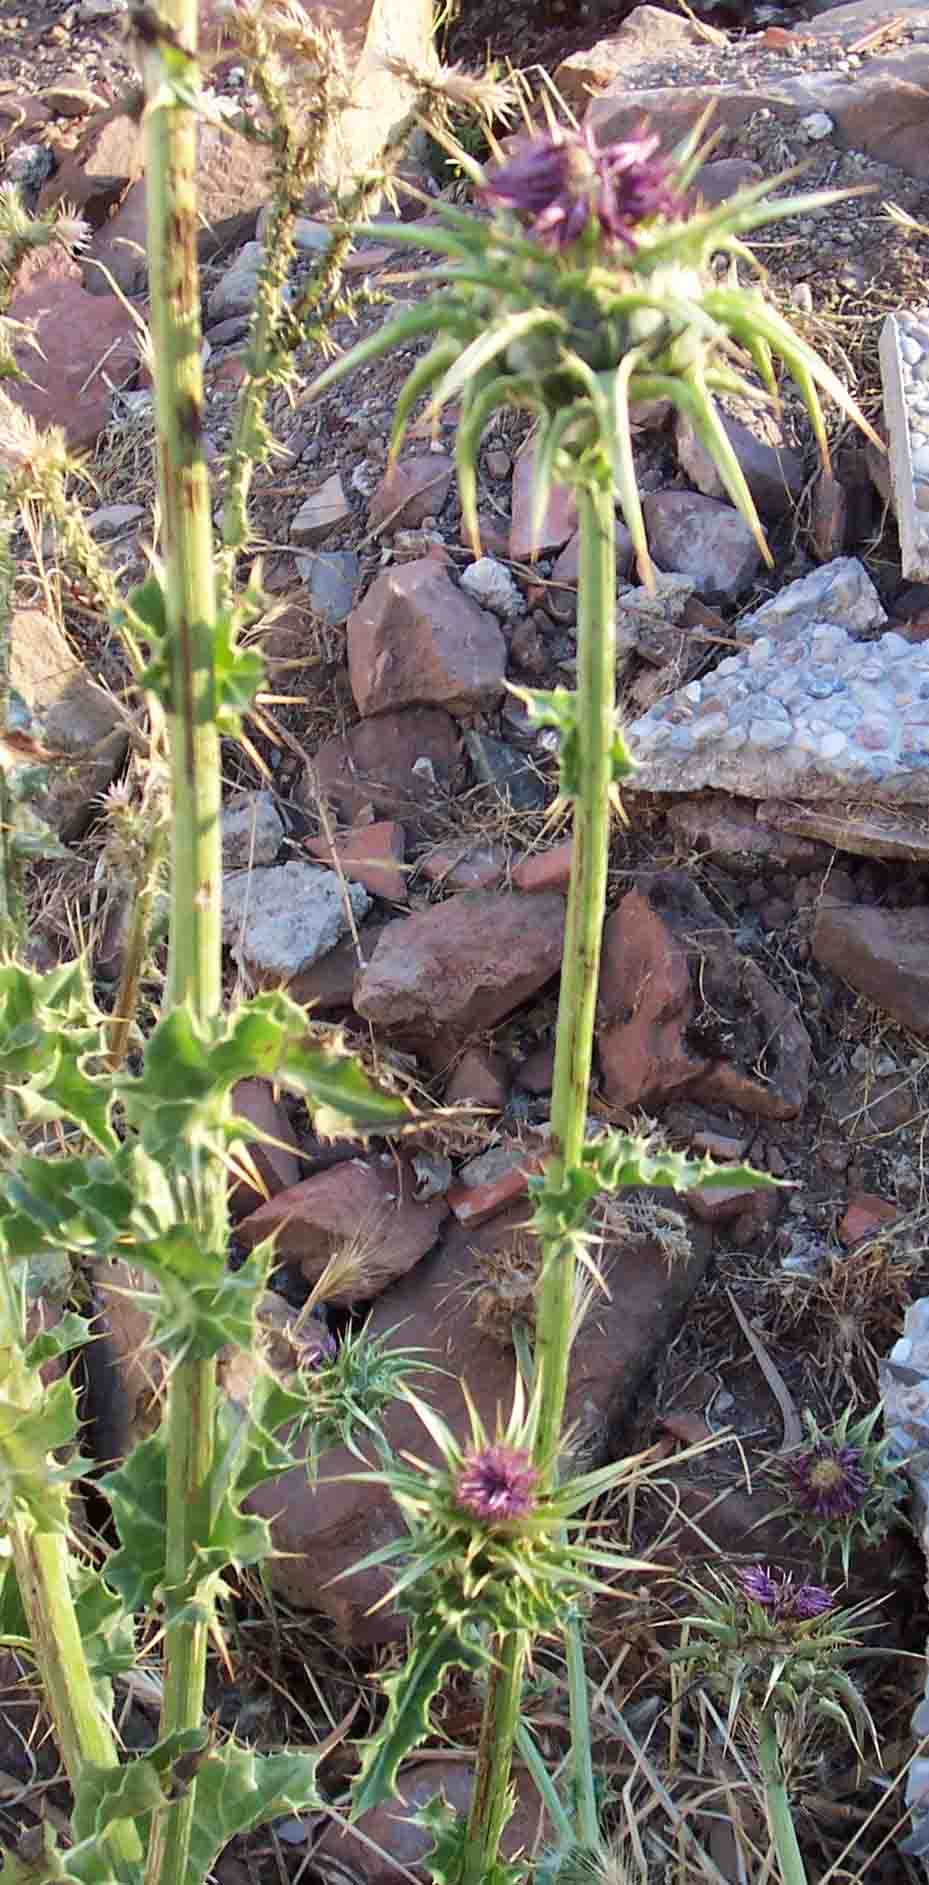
column 417, row 383
column 82, row 1204
column 487, row 347
column 432, row 1651
column 71, row 1332
column 137, row 1492
column 619, row 1159
column 238, row 1790
column 399, row 333
column 238, row 673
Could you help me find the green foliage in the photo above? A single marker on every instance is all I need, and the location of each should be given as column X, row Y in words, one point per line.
column 618, row 1161
column 449, row 1834
column 434, row 1649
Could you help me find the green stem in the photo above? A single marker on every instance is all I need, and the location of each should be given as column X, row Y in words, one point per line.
column 777, row 1801
column 41, row 1563
column 596, row 691
column 596, row 696
column 490, row 1802
column 194, row 975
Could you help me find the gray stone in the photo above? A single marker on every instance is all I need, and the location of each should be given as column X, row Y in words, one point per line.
column 510, row 774
column 321, row 513
column 251, row 831
column 491, row 584
column 696, row 536
column 840, row 592
column 80, row 722
column 331, row 578
column 278, row 922
column 235, row 291
column 113, row 520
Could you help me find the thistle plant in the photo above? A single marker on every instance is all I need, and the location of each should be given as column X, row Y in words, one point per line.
column 842, row 1485
column 134, row 1163
column 774, row 1653
column 584, row 288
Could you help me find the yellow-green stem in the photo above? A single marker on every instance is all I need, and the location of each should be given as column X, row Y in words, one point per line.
column 195, row 963
column 777, row 1802
column 596, row 693
column 490, row 1802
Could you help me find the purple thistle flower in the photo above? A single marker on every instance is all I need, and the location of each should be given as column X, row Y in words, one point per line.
column 558, row 183
column 829, row 1481
column 775, row 1592
column 811, row 1600
column 496, row 1483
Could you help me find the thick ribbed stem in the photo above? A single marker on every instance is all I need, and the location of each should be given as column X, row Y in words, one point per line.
column 195, row 961
column 490, row 1801
column 596, row 691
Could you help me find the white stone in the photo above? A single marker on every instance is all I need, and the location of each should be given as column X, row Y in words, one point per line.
column 904, row 462
column 279, row 921
column 491, row 584
column 816, row 125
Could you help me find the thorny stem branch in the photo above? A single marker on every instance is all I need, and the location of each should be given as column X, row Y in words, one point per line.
column 195, row 958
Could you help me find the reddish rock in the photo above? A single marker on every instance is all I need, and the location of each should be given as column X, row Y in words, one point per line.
column 401, row 765
column 558, row 523
column 465, row 866
column 118, row 249
column 95, row 175
column 372, row 855
column 416, row 638
column 463, row 964
column 719, row 1204
column 387, row 1838
column 479, row 1079
column 537, row 1072
column 647, row 33
column 87, row 346
column 566, row 566
column 691, row 535
column 476, row 1204
column 322, row 1530
column 646, row 1004
column 277, row 1163
column 365, row 1207
column 829, row 518
column 882, row 954
column 865, row 1215
column 738, row 837
column 411, row 491
column 773, row 473
column 764, row 1065
column 327, row 986
column 545, row 870
column 725, row 177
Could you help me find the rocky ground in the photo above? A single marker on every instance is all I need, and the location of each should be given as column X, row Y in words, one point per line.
column 391, row 858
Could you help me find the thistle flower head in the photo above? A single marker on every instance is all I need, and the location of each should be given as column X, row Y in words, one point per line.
column 776, row 1593
column 842, row 1483
column 559, row 183
column 765, row 1643
column 318, row 1350
column 496, row 1484
column 829, row 1481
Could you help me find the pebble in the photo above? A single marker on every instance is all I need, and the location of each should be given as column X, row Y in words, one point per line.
column 816, row 126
